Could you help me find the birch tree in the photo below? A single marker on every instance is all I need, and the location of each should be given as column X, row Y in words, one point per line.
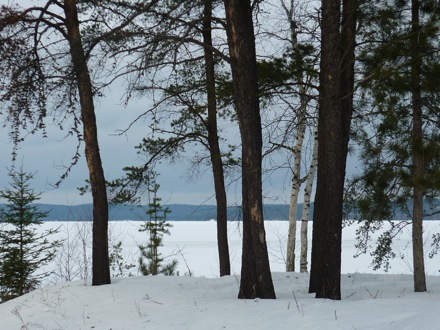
column 306, row 207
column 303, row 77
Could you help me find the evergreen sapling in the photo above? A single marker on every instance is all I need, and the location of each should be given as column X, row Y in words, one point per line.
column 23, row 250
column 151, row 261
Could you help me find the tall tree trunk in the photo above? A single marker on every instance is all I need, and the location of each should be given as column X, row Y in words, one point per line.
column 256, row 279
column 296, row 182
column 297, row 151
column 417, row 154
column 296, row 185
column 291, row 236
column 348, row 44
column 306, row 208
column 335, row 110
column 216, row 158
column 100, row 262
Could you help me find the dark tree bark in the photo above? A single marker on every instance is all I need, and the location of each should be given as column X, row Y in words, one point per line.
column 100, row 262
column 335, row 110
column 417, row 153
column 256, row 279
column 214, row 148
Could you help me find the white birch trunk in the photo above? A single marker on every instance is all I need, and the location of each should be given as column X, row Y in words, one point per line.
column 296, row 179
column 291, row 238
column 306, row 208
column 296, row 185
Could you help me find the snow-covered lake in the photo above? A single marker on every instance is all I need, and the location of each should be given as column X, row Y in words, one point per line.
column 194, row 244
column 369, row 301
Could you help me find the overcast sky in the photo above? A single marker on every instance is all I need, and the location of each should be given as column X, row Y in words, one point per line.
column 49, row 156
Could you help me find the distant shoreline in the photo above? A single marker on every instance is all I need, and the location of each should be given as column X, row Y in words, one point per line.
column 179, row 212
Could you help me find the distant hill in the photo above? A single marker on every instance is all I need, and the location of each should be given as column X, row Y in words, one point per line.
column 179, row 212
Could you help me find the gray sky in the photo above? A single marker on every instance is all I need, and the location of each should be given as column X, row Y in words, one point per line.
column 47, row 156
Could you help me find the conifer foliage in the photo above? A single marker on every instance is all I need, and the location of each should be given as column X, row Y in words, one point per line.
column 23, row 249
column 151, row 261
column 398, row 128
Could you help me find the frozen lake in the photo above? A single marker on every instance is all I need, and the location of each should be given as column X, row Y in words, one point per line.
column 194, row 244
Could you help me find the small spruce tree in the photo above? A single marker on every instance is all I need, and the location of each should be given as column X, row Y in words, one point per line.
column 23, row 249
column 151, row 261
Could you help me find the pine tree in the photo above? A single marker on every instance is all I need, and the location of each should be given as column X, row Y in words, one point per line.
column 156, row 227
column 338, row 31
column 401, row 143
column 48, row 73
column 256, row 278
column 23, row 250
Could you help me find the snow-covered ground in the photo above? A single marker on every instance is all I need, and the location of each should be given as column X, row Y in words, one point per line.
column 204, row 301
